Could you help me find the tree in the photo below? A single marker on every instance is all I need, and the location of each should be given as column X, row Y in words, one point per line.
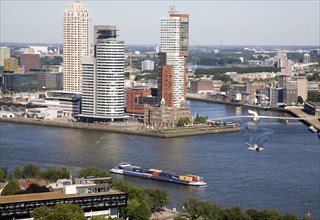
column 65, row 211
column 193, row 207
column 35, row 188
column 41, row 213
column 183, row 121
column 17, row 173
column 235, row 213
column 30, row 170
column 53, row 174
column 138, row 210
column 158, row 198
column 224, row 88
column 313, row 96
column 290, row 217
column 11, row 188
column 200, row 119
column 269, row 214
column 93, row 171
column 2, row 175
column 180, row 218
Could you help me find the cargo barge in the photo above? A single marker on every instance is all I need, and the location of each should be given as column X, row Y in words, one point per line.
column 128, row 169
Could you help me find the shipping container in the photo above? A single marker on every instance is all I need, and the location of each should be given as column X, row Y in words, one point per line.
column 155, row 174
column 194, row 177
column 165, row 174
column 185, row 178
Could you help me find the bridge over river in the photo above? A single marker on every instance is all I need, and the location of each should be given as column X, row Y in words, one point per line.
column 300, row 115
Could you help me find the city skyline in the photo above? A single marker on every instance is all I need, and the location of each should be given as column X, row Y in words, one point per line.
column 212, row 22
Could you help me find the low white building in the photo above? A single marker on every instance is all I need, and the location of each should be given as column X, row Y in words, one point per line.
column 44, row 113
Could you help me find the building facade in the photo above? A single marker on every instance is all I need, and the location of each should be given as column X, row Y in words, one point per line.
column 147, row 65
column 175, row 43
column 48, row 80
column 10, row 65
column 164, row 115
column 167, row 85
column 134, row 104
column 103, row 84
column 93, row 199
column 306, row 58
column 76, row 44
column 12, row 82
column 31, row 62
column 4, row 54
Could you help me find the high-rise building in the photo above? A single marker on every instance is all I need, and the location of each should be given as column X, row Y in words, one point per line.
column 4, row 54
column 103, row 78
column 306, row 58
column 175, row 43
column 76, row 44
column 147, row 65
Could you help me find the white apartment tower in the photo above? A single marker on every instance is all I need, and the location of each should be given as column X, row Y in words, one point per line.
column 175, row 43
column 76, row 44
column 103, row 78
column 306, row 58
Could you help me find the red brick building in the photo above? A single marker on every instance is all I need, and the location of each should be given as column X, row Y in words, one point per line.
column 30, row 62
column 133, row 95
column 167, row 82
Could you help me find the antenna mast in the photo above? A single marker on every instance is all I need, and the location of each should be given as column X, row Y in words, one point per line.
column 172, row 9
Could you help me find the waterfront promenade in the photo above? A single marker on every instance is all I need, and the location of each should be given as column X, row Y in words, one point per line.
column 134, row 128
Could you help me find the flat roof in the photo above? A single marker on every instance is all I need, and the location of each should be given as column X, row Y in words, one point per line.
column 51, row 195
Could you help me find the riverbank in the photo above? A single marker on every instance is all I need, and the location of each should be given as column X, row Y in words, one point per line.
column 126, row 128
column 197, row 97
column 295, row 112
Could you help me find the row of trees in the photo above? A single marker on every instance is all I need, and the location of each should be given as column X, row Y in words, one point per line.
column 194, row 209
column 56, row 60
column 33, row 171
column 206, row 209
column 239, row 70
column 141, row 201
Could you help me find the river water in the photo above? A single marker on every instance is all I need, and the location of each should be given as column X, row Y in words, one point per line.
column 284, row 176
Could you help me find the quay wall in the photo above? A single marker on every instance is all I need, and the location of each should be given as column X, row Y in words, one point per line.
column 178, row 132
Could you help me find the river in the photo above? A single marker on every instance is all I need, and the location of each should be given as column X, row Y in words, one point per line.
column 284, row 176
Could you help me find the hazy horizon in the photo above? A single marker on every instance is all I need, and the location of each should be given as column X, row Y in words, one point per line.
column 235, row 23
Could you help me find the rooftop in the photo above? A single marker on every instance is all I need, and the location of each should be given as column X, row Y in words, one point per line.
column 51, row 195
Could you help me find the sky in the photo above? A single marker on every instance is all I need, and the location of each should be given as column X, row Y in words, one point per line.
column 212, row 22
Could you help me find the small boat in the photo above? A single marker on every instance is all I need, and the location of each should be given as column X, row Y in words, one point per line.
column 255, row 147
column 150, row 173
column 313, row 129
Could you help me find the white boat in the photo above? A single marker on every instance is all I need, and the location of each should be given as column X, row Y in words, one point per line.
column 254, row 147
column 313, row 129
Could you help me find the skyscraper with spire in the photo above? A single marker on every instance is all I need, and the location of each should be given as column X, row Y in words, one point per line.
column 76, row 44
column 174, row 43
